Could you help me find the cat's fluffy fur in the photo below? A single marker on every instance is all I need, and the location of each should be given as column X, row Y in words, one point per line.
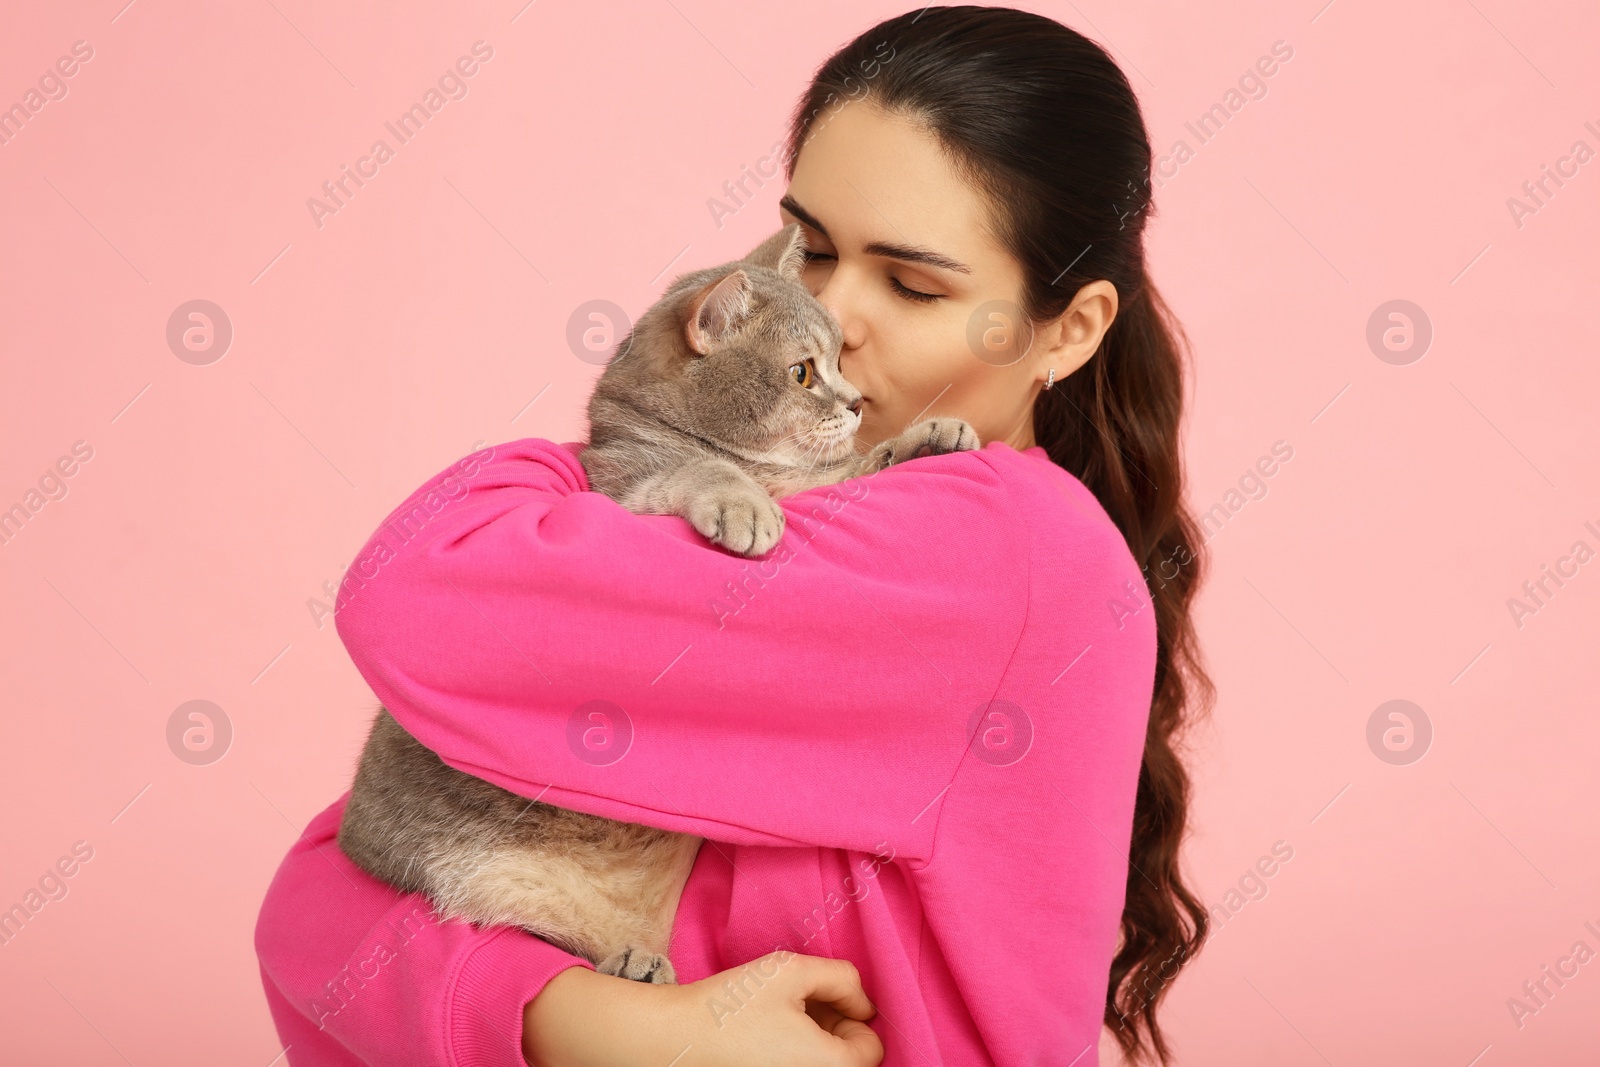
column 726, row 393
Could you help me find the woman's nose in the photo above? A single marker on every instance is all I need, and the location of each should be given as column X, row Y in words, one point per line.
column 833, row 298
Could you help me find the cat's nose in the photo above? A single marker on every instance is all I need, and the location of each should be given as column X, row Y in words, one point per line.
column 855, row 408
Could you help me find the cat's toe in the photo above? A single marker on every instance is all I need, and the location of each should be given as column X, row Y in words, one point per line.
column 640, row 966
column 767, row 531
column 949, row 435
column 749, row 526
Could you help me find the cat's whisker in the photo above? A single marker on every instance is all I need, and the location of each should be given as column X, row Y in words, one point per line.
column 819, row 447
column 806, row 437
column 804, row 459
column 778, row 444
column 773, row 446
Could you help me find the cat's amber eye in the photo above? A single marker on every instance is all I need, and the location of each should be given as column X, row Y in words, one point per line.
column 804, row 373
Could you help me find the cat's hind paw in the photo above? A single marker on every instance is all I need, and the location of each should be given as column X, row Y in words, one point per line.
column 640, row 966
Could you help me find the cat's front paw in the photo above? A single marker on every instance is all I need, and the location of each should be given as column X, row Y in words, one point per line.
column 930, row 437
column 640, row 966
column 742, row 518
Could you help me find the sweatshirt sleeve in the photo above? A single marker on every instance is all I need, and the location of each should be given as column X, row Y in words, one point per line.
column 357, row 972
column 540, row 636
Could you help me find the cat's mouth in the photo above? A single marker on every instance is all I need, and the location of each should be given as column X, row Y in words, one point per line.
column 831, row 443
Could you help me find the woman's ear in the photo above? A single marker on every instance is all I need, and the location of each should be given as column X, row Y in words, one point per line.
column 1068, row 341
column 784, row 252
column 718, row 309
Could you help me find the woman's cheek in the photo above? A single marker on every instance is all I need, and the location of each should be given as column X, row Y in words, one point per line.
column 933, row 345
column 815, row 278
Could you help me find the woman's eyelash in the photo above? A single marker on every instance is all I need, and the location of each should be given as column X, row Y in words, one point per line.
column 912, row 294
column 894, row 283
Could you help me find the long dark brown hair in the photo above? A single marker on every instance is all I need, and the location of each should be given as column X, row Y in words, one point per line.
column 1044, row 122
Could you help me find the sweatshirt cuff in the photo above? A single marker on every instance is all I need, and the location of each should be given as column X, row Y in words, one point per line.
column 493, row 985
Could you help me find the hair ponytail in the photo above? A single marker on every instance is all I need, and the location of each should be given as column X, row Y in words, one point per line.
column 1115, row 425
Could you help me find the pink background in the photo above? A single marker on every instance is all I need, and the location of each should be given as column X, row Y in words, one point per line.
column 431, row 310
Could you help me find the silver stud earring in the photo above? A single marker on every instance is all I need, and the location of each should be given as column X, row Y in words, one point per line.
column 1048, row 382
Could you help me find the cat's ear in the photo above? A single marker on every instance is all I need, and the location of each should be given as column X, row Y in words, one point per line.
column 784, row 252
column 716, row 311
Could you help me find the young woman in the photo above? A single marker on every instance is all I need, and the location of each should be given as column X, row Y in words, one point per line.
column 930, row 743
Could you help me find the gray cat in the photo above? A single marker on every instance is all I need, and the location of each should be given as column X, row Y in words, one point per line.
column 726, row 393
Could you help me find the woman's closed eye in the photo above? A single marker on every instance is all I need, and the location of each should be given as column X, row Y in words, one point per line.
column 899, row 287
column 912, row 294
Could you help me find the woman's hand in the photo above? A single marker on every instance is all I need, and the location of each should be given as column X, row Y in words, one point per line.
column 781, row 1010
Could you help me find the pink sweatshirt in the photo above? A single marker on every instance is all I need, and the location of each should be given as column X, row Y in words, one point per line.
column 910, row 734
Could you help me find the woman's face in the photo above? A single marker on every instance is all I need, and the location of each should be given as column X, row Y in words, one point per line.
column 903, row 254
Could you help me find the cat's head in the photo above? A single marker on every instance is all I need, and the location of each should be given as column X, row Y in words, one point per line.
column 751, row 359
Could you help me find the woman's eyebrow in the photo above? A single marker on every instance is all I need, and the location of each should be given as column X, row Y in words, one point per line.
column 888, row 249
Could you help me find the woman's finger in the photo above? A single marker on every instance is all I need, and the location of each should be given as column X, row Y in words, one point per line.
column 863, row 1047
column 824, row 1014
column 836, row 982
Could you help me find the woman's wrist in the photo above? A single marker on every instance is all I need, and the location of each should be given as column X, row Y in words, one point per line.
column 582, row 1018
